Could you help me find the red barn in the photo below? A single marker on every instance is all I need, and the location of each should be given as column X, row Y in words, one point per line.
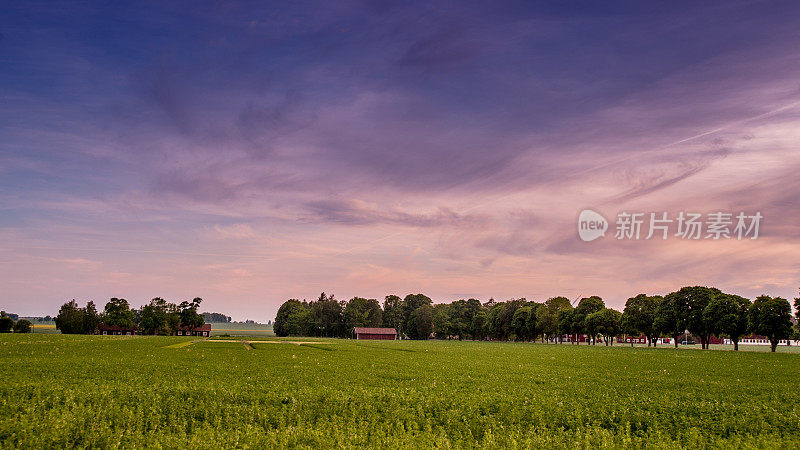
column 384, row 334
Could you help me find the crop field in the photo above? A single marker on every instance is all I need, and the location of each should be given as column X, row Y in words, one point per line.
column 103, row 391
column 242, row 329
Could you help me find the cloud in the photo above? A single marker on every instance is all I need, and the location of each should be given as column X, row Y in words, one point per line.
column 359, row 213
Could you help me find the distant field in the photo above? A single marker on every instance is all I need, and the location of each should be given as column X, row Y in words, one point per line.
column 64, row 391
column 45, row 328
column 241, row 329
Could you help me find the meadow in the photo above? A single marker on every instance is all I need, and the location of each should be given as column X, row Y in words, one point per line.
column 103, row 391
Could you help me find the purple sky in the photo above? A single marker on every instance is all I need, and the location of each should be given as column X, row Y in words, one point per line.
column 251, row 153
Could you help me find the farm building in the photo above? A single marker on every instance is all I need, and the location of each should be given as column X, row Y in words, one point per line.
column 385, row 334
column 115, row 330
column 204, row 330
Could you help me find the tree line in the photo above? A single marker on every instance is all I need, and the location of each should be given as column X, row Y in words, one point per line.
column 704, row 312
column 159, row 317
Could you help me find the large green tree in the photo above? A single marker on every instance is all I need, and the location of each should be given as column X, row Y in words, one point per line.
column 118, row 312
column 70, row 318
column 327, row 317
column 566, row 321
column 442, row 326
column 639, row 316
column 91, row 318
column 670, row 317
column 420, row 324
column 692, row 302
column 410, row 304
column 771, row 317
column 606, row 323
column 547, row 317
column 188, row 313
column 393, row 312
column 362, row 312
column 293, row 319
column 520, row 322
column 728, row 316
column 586, row 306
column 159, row 317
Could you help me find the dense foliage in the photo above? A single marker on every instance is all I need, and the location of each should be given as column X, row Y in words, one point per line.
column 87, row 391
column 157, row 317
column 703, row 311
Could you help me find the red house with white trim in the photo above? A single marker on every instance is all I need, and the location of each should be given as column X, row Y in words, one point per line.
column 204, row 330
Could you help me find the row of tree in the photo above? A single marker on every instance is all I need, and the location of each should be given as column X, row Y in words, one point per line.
column 157, row 317
column 702, row 311
column 12, row 322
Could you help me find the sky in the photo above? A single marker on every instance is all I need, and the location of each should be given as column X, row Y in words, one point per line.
column 248, row 153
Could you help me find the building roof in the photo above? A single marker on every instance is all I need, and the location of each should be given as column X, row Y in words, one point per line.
column 365, row 330
column 104, row 327
column 206, row 327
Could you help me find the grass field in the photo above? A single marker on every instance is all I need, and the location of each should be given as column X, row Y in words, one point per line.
column 90, row 391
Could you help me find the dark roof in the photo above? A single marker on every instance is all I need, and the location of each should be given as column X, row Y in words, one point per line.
column 206, row 327
column 104, row 327
column 365, row 330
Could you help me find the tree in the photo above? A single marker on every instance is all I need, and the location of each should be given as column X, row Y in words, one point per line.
column 606, row 323
column 478, row 327
column 70, row 318
column 91, row 319
column 771, row 317
column 293, row 319
column 22, row 326
column 189, row 317
column 393, row 312
column 670, row 318
column 566, row 320
column 547, row 317
column 462, row 314
column 360, row 312
column 420, row 324
column 327, row 318
column 118, row 312
column 536, row 320
column 442, row 326
column 728, row 315
column 797, row 317
column 159, row 317
column 6, row 323
column 520, row 321
column 410, row 304
column 585, row 307
column 639, row 316
column 692, row 302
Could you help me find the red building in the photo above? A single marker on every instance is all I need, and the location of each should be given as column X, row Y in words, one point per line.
column 115, row 330
column 205, row 330
column 383, row 334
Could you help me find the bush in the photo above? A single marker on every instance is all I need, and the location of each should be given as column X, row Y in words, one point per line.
column 22, row 326
column 6, row 323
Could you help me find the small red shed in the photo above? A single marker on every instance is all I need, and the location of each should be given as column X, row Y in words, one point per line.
column 384, row 334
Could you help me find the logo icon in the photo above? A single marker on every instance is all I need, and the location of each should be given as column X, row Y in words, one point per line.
column 591, row 225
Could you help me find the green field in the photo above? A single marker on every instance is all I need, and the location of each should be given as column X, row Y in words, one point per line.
column 102, row 391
